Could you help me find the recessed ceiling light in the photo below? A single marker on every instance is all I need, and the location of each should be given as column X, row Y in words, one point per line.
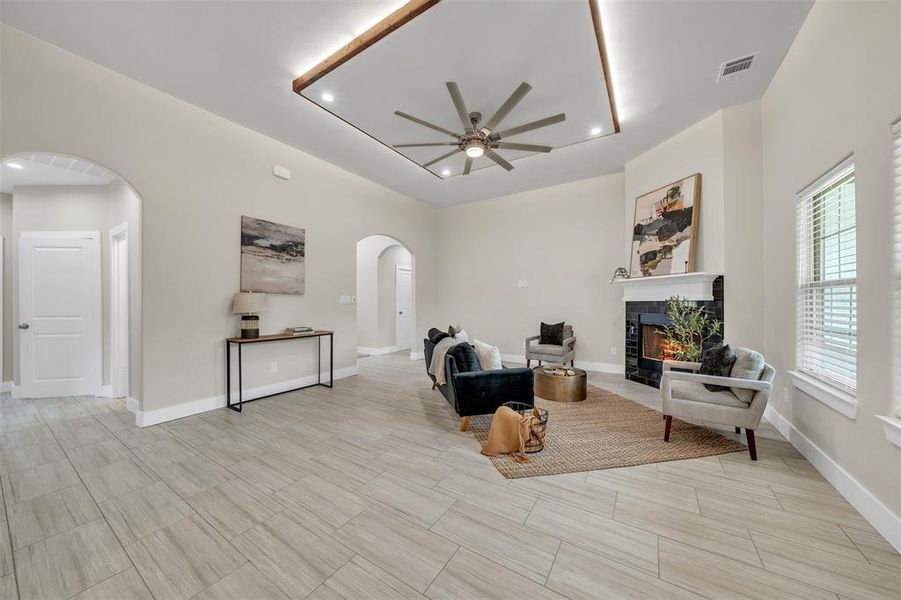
column 15, row 165
column 445, row 172
column 595, row 131
column 327, row 97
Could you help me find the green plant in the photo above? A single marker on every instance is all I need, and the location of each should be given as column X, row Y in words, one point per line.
column 690, row 326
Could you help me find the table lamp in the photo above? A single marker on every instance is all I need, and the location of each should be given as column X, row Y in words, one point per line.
column 249, row 305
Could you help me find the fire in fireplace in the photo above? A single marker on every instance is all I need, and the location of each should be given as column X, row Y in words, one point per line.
column 654, row 345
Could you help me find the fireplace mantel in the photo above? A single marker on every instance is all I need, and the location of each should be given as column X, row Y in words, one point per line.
column 693, row 286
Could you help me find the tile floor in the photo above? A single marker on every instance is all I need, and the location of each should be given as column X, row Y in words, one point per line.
column 369, row 491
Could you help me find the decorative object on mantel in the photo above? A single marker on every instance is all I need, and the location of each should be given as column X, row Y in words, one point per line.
column 249, row 305
column 665, row 229
column 689, row 327
column 273, row 257
column 619, row 273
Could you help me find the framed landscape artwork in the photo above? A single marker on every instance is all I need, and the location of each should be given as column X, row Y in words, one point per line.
column 665, row 229
column 272, row 257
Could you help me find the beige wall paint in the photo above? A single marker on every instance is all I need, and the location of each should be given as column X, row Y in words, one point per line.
column 197, row 174
column 828, row 100
column 565, row 240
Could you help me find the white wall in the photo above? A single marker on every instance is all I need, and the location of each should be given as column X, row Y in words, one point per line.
column 377, row 258
column 6, row 232
column 197, row 174
column 830, row 99
column 725, row 149
column 565, row 240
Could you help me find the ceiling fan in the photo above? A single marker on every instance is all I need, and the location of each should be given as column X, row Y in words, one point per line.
column 481, row 139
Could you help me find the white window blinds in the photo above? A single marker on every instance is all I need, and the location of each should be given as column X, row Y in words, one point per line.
column 897, row 352
column 827, row 279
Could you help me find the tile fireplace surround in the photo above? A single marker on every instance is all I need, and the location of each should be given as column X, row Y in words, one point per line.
column 641, row 368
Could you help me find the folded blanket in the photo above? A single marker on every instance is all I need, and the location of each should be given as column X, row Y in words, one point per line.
column 437, row 366
column 508, row 434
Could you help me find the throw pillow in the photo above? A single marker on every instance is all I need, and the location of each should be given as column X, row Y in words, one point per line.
column 453, row 330
column 748, row 365
column 436, row 335
column 461, row 335
column 466, row 358
column 717, row 361
column 551, row 334
column 489, row 356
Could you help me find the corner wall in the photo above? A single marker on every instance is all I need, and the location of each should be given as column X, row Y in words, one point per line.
column 197, row 174
column 826, row 101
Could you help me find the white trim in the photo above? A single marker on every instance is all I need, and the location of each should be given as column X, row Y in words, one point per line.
column 119, row 355
column 836, row 399
column 6, row 386
column 146, row 418
column 844, row 167
column 596, row 367
column 887, row 523
column 106, row 391
column 133, row 406
column 417, row 355
column 693, row 286
column 892, row 428
column 379, row 351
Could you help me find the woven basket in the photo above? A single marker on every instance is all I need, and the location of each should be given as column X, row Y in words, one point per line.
column 537, row 425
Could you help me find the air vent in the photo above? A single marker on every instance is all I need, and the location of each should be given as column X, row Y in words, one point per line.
column 737, row 66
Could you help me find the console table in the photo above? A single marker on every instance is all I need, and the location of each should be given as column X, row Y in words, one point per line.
column 241, row 342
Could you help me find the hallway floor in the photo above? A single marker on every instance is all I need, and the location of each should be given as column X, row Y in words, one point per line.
column 369, row 490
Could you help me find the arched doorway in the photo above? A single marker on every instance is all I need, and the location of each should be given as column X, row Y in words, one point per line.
column 385, row 296
column 71, row 240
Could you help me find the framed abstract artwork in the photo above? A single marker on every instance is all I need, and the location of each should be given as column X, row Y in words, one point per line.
column 665, row 229
column 272, row 257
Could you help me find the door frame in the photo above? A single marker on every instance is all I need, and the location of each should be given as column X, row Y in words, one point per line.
column 119, row 333
column 19, row 391
column 397, row 270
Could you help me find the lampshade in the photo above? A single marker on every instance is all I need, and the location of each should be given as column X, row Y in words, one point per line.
column 249, row 303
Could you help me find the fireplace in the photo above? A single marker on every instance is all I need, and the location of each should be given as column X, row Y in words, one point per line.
column 646, row 348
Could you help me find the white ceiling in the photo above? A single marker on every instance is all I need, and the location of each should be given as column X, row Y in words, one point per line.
column 487, row 59
column 50, row 169
column 237, row 59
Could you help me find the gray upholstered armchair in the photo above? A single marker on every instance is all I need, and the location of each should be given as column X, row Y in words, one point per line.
column 550, row 352
column 685, row 396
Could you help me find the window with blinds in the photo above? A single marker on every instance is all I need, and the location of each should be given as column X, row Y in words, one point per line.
column 897, row 353
column 827, row 279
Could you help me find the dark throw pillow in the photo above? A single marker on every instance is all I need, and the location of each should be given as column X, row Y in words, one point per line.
column 466, row 357
column 717, row 361
column 551, row 334
column 436, row 335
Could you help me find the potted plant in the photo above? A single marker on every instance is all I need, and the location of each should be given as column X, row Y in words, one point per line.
column 689, row 328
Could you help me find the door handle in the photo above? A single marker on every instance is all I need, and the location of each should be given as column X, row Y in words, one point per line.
column 23, row 326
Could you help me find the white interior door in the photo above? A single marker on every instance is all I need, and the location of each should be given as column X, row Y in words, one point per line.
column 404, row 282
column 59, row 314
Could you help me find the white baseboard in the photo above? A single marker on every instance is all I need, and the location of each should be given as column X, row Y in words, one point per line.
column 106, row 391
column 132, row 405
column 417, row 355
column 379, row 351
column 186, row 409
column 597, row 367
column 887, row 523
column 6, row 386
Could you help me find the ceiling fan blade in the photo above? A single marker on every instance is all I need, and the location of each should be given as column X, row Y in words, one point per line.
column 526, row 147
column 442, row 157
column 530, row 126
column 426, row 124
column 457, row 97
column 468, row 166
column 517, row 95
column 498, row 160
column 423, row 145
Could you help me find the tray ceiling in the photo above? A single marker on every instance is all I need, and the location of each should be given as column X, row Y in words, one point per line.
column 488, row 50
column 237, row 59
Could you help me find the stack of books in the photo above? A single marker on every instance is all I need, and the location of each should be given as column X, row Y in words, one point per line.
column 298, row 330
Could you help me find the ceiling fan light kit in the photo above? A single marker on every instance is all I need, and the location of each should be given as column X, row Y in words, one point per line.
column 481, row 139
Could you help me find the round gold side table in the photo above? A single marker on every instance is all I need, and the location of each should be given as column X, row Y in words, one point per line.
column 561, row 388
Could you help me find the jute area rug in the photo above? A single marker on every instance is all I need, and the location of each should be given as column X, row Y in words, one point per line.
column 603, row 432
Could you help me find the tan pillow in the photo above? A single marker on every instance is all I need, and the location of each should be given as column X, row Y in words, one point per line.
column 748, row 365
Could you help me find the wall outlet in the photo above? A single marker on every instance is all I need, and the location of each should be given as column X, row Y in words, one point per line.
column 522, row 283
column 281, row 172
column 612, row 350
column 347, row 300
column 273, row 367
